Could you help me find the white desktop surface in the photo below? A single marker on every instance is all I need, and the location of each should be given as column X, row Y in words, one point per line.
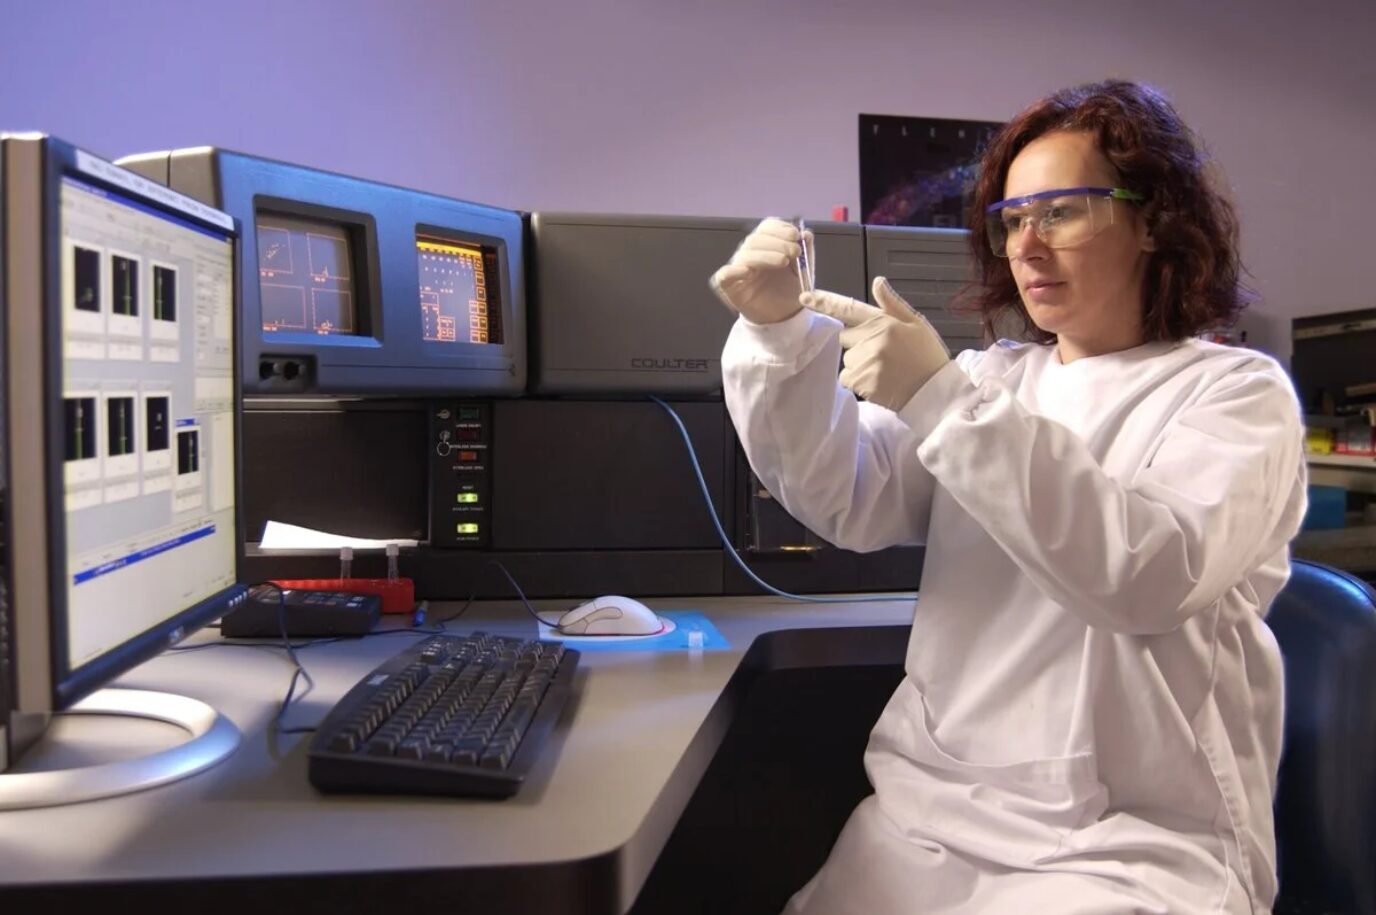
column 609, row 779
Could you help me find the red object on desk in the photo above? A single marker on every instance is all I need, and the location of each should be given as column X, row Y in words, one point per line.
column 398, row 594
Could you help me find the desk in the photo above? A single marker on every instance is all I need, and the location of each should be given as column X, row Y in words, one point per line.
column 581, row 836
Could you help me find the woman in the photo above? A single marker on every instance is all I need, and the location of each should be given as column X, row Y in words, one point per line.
column 1090, row 719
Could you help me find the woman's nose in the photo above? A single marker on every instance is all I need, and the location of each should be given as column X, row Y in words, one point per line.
column 1026, row 244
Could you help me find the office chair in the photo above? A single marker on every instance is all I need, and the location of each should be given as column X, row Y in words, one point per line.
column 1325, row 622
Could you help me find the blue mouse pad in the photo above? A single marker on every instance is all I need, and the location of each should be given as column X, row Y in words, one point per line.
column 679, row 625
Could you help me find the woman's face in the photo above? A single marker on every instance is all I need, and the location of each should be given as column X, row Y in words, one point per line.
column 1089, row 296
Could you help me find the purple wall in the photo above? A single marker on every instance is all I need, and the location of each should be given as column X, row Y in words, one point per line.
column 714, row 107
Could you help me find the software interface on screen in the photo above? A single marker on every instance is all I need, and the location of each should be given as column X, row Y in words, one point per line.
column 457, row 305
column 306, row 276
column 148, row 403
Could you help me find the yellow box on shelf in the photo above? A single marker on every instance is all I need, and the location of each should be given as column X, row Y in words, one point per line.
column 1318, row 440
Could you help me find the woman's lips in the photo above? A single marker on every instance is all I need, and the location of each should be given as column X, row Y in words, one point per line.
column 1043, row 290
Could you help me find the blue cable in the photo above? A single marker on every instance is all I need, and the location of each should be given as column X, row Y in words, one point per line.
column 726, row 541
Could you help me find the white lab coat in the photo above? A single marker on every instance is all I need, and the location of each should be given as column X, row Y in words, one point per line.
column 1091, row 716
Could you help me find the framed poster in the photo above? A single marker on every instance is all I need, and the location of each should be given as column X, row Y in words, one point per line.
column 919, row 171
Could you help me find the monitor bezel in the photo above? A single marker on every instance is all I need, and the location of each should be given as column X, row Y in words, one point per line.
column 8, row 672
column 70, row 684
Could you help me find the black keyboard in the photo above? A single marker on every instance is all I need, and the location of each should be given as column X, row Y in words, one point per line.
column 462, row 715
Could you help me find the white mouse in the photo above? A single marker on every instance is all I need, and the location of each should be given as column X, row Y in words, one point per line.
column 610, row 615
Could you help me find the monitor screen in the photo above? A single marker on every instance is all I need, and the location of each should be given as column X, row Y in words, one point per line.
column 148, row 405
column 306, row 275
column 458, row 303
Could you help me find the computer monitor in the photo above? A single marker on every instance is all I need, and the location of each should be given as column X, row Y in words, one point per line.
column 352, row 287
column 120, row 471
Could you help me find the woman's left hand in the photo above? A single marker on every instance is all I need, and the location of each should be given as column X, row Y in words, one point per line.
column 891, row 350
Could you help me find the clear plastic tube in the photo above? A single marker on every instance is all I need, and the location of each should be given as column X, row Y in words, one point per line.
column 806, row 263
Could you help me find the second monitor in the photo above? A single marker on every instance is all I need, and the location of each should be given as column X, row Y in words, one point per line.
column 356, row 287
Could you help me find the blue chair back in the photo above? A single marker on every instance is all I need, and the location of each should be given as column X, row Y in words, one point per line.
column 1325, row 622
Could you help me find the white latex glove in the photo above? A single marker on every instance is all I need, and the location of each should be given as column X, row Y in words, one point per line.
column 891, row 350
column 761, row 279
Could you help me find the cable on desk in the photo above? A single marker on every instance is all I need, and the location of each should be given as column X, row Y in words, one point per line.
column 460, row 612
column 291, row 647
column 298, row 673
column 726, row 541
column 529, row 609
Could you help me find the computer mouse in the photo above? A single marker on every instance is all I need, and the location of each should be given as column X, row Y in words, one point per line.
column 611, row 614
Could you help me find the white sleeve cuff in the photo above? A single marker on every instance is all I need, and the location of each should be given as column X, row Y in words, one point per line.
column 780, row 341
column 948, row 390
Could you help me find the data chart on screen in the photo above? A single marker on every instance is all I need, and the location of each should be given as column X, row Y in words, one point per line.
column 458, row 303
column 306, row 276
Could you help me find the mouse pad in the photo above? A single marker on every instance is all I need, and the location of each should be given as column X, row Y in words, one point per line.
column 678, row 624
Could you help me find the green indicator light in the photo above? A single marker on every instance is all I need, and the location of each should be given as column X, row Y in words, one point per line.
column 468, row 528
column 467, row 497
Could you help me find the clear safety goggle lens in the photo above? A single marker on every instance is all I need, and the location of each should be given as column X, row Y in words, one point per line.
column 1059, row 220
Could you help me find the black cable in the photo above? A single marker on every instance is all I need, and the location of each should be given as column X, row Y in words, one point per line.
column 529, row 609
column 460, row 612
column 291, row 647
column 299, row 673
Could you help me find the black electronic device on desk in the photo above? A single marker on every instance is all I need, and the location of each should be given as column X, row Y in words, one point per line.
column 323, row 252
column 459, row 715
column 302, row 613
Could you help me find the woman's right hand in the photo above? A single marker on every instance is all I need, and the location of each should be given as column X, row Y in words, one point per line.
column 761, row 280
column 891, row 351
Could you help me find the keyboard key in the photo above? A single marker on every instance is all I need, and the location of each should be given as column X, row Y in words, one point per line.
column 343, row 742
column 438, row 752
column 382, row 746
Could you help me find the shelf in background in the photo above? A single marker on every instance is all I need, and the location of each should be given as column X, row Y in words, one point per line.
column 1342, row 460
column 1350, row 548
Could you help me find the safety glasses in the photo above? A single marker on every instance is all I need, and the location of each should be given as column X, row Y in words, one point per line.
column 1063, row 218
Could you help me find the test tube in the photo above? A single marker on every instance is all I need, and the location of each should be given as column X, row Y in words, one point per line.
column 807, row 269
column 392, row 550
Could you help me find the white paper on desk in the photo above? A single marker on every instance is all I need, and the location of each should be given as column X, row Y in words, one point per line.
column 280, row 536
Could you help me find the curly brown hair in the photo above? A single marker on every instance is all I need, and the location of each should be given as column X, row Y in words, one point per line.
column 1193, row 277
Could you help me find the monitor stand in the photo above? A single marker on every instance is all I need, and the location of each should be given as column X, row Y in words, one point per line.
column 212, row 738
